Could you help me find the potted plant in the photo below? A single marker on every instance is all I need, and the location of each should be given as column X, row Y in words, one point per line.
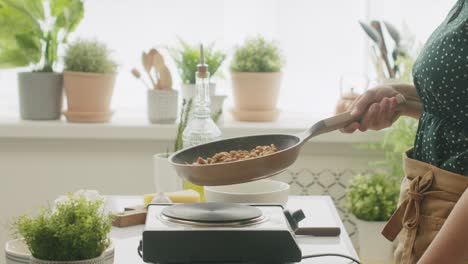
column 89, row 79
column 187, row 57
column 74, row 231
column 161, row 98
column 373, row 199
column 30, row 35
column 256, row 78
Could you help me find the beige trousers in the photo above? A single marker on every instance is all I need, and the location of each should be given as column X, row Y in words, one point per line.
column 428, row 195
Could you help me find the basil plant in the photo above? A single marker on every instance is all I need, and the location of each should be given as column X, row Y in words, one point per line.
column 32, row 31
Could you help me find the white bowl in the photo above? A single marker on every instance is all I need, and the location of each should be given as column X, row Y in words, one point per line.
column 261, row 191
column 16, row 252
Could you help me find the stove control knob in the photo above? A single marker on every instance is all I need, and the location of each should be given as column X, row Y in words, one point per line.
column 294, row 218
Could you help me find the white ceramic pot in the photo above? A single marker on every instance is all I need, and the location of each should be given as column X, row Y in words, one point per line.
column 165, row 176
column 162, row 106
column 16, row 252
column 373, row 247
column 261, row 191
column 190, row 90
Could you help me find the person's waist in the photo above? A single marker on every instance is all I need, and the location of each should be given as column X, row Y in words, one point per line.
column 445, row 180
column 457, row 117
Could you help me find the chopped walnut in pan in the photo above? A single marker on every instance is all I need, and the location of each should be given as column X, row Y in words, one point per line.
column 235, row 155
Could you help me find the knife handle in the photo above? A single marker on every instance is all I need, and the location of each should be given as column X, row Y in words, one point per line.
column 318, row 231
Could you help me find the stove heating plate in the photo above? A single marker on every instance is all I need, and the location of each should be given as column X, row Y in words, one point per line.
column 218, row 233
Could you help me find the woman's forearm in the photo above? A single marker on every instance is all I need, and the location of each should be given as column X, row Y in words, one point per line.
column 450, row 244
column 413, row 107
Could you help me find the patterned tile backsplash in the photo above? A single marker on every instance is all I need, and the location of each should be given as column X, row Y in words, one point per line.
column 325, row 182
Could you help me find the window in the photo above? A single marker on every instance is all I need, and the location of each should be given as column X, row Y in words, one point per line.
column 320, row 39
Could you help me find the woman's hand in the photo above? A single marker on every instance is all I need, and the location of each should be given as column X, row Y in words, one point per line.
column 377, row 108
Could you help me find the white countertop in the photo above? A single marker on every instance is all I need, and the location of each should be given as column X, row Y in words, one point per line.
column 128, row 128
column 319, row 210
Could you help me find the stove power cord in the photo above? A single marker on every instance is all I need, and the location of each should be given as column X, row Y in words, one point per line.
column 331, row 255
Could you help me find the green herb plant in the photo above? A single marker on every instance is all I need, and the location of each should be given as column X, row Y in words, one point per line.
column 32, row 31
column 257, row 55
column 187, row 57
column 184, row 119
column 76, row 229
column 396, row 140
column 89, row 56
column 373, row 197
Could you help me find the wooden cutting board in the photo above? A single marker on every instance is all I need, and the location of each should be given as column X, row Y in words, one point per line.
column 131, row 216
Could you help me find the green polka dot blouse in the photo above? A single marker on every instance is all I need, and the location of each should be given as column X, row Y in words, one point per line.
column 441, row 79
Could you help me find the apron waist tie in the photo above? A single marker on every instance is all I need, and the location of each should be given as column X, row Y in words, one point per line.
column 408, row 213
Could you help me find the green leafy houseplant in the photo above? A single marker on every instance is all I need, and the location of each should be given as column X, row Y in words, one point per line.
column 89, row 56
column 76, row 229
column 257, row 55
column 397, row 139
column 373, row 197
column 187, row 57
column 29, row 36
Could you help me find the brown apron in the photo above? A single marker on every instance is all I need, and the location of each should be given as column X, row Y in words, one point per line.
column 428, row 195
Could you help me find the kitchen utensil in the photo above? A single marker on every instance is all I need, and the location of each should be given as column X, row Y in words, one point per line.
column 383, row 47
column 147, row 61
column 254, row 168
column 262, row 191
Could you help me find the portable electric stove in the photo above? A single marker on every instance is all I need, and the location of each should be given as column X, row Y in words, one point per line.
column 220, row 233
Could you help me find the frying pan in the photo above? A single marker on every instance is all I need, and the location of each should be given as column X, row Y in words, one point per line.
column 254, row 168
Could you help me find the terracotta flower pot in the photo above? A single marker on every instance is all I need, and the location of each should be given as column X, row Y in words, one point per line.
column 256, row 94
column 40, row 95
column 89, row 96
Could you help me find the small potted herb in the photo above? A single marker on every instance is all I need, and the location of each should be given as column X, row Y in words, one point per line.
column 89, row 79
column 31, row 33
column 256, row 78
column 75, row 231
column 187, row 57
column 373, row 199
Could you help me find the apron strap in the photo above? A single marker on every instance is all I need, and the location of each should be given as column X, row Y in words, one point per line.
column 408, row 213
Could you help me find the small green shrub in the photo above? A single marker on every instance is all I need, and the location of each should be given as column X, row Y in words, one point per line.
column 187, row 57
column 397, row 139
column 89, row 56
column 257, row 55
column 76, row 229
column 373, row 197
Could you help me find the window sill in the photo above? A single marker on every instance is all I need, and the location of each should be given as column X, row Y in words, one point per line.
column 126, row 128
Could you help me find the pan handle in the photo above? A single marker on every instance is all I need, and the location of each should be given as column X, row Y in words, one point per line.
column 339, row 121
